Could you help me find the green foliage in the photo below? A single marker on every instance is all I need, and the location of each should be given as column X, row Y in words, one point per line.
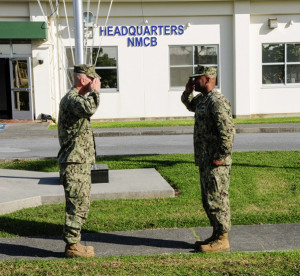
column 108, row 76
column 264, row 189
column 272, row 53
column 293, row 52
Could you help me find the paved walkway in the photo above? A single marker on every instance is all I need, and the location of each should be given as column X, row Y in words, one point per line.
column 252, row 238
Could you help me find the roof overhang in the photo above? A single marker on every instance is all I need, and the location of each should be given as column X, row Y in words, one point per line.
column 23, row 30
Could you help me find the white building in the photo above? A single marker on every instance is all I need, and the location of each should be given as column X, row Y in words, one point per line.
column 147, row 51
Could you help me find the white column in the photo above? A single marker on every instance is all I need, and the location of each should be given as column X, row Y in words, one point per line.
column 42, row 81
column 241, row 63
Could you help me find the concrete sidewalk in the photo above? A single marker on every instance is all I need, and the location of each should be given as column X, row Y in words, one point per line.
column 252, row 238
column 31, row 189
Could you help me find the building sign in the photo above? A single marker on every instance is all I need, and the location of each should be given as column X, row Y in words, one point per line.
column 142, row 36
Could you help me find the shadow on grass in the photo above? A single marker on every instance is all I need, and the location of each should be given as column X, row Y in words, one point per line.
column 143, row 160
column 27, row 228
column 263, row 166
column 145, row 163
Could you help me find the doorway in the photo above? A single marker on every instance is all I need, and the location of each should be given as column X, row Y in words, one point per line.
column 5, row 90
column 21, row 89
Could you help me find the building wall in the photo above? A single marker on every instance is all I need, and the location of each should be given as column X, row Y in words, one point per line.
column 278, row 99
column 238, row 27
column 144, row 77
column 42, row 80
column 144, row 89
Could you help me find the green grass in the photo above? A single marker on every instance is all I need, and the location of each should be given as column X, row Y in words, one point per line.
column 275, row 263
column 169, row 123
column 280, row 120
column 131, row 124
column 265, row 188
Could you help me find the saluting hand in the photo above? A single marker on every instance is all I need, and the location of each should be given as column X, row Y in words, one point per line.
column 95, row 84
column 189, row 87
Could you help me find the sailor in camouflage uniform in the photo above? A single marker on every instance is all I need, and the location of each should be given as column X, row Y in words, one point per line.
column 213, row 138
column 77, row 154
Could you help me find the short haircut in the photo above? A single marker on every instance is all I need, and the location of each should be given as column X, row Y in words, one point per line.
column 78, row 77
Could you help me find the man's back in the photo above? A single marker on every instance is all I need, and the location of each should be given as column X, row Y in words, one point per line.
column 74, row 128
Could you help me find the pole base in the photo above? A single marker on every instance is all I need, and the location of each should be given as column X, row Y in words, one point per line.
column 99, row 173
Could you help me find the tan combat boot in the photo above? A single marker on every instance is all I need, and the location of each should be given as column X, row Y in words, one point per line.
column 79, row 250
column 220, row 244
column 206, row 241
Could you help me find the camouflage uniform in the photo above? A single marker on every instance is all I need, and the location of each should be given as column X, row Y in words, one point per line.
column 213, row 138
column 76, row 155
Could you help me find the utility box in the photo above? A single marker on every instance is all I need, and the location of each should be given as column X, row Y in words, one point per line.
column 99, row 173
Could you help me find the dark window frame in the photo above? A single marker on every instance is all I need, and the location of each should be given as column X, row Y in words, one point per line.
column 193, row 64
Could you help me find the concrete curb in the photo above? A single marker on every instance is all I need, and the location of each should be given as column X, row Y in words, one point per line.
column 268, row 128
column 143, row 131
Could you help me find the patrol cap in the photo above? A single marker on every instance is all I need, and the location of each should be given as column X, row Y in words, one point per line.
column 89, row 70
column 204, row 71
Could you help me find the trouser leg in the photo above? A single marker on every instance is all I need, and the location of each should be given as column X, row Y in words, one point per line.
column 215, row 197
column 76, row 179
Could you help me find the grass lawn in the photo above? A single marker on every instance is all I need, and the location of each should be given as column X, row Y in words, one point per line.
column 264, row 189
column 169, row 123
column 276, row 263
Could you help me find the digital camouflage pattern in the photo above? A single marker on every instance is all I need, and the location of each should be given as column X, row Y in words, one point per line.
column 214, row 128
column 204, row 71
column 75, row 157
column 75, row 134
column 215, row 198
column 89, row 70
column 213, row 140
column 76, row 179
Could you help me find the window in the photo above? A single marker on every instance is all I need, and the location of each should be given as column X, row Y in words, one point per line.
column 281, row 63
column 106, row 66
column 184, row 60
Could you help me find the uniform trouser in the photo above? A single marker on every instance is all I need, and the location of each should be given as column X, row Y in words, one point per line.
column 215, row 198
column 76, row 179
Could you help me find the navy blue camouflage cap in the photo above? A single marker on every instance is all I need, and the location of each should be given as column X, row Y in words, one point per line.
column 204, row 71
column 89, row 70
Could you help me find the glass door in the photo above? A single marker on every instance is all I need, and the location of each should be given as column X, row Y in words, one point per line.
column 21, row 88
column 5, row 91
